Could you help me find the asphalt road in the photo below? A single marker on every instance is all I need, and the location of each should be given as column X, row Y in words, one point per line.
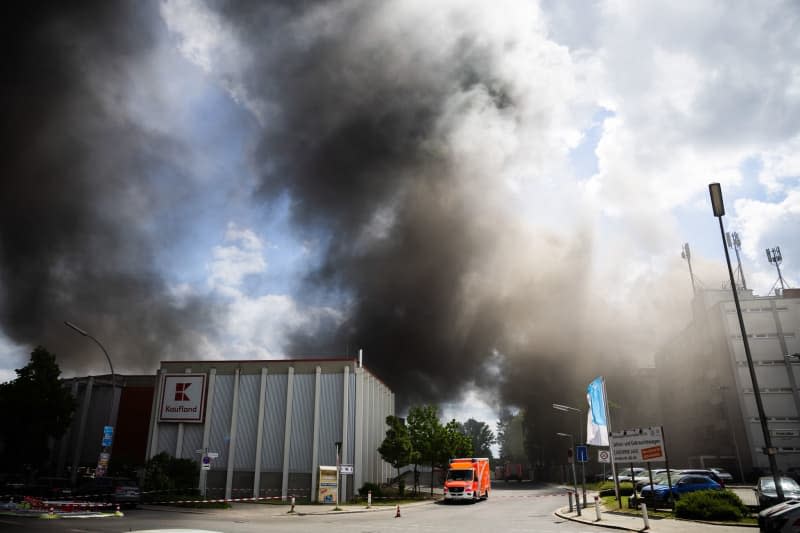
column 515, row 509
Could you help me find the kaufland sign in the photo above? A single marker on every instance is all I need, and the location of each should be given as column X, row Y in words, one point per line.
column 183, row 398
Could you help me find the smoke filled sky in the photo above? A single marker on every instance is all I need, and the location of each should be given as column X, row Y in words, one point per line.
column 472, row 192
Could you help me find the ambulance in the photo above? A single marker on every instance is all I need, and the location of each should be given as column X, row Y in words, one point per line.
column 468, row 479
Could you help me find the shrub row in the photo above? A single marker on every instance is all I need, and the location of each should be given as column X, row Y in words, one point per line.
column 710, row 505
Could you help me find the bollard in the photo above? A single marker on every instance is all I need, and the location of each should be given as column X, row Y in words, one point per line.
column 369, row 499
column 644, row 515
column 291, row 510
column 397, row 514
column 597, row 507
column 569, row 495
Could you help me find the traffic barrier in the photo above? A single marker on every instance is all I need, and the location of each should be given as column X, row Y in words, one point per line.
column 644, row 516
column 397, row 514
column 292, row 509
column 369, row 499
column 569, row 495
column 597, row 507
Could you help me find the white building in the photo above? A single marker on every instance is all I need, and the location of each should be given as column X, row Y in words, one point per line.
column 706, row 393
column 272, row 423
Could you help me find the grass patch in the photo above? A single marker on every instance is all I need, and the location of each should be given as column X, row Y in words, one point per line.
column 610, row 503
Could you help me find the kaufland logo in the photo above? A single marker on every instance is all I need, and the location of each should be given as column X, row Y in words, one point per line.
column 180, row 392
column 183, row 397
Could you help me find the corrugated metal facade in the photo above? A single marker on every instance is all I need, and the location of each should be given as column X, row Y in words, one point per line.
column 350, row 405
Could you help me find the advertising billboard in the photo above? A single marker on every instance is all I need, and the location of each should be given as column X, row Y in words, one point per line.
column 183, row 398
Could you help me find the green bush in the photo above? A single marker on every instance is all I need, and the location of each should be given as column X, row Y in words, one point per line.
column 606, row 488
column 710, row 505
column 166, row 473
column 376, row 490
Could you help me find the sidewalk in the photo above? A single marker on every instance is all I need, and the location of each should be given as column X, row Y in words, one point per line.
column 612, row 520
column 245, row 509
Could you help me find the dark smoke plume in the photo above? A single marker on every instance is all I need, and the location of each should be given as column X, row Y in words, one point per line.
column 449, row 289
column 78, row 189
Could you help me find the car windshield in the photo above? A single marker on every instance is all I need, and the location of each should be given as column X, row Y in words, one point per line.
column 786, row 484
column 459, row 475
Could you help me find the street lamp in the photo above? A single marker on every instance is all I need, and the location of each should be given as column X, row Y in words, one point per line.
column 105, row 454
column 579, row 412
column 574, row 475
column 719, row 211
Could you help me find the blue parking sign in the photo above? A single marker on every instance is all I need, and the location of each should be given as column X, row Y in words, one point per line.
column 582, row 453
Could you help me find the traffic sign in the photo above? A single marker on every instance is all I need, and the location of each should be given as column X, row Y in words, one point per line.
column 582, row 453
column 108, row 436
column 603, row 456
column 206, row 463
column 345, row 469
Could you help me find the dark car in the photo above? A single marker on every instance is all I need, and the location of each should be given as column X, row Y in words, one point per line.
column 723, row 474
column 704, row 472
column 780, row 518
column 768, row 496
column 682, row 484
column 122, row 491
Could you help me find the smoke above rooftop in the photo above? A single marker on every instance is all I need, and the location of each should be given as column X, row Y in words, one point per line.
column 422, row 146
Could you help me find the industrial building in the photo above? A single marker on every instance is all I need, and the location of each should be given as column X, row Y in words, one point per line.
column 126, row 406
column 266, row 427
column 706, row 393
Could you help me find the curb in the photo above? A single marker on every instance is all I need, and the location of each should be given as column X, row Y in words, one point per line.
column 373, row 509
column 593, row 523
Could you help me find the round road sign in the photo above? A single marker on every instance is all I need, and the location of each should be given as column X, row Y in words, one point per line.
column 604, row 456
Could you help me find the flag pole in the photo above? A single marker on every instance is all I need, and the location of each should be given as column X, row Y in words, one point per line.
column 610, row 447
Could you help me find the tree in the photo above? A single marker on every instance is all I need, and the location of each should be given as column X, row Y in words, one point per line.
column 36, row 408
column 481, row 437
column 396, row 448
column 454, row 442
column 425, row 432
column 166, row 473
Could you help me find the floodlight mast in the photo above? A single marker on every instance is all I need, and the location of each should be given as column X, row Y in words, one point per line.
column 774, row 256
column 687, row 254
column 735, row 243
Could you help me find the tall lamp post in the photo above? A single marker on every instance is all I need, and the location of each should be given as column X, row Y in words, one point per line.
column 574, row 475
column 568, row 409
column 719, row 211
column 108, row 430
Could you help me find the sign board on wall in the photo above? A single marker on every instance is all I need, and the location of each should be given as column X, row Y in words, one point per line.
column 638, row 445
column 183, row 398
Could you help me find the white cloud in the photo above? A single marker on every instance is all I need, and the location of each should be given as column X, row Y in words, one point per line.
column 242, row 256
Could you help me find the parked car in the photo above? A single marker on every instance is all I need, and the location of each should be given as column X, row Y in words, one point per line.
column 768, row 496
column 780, row 518
column 704, row 472
column 684, row 484
column 659, row 478
column 122, row 491
column 723, row 474
column 625, row 474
